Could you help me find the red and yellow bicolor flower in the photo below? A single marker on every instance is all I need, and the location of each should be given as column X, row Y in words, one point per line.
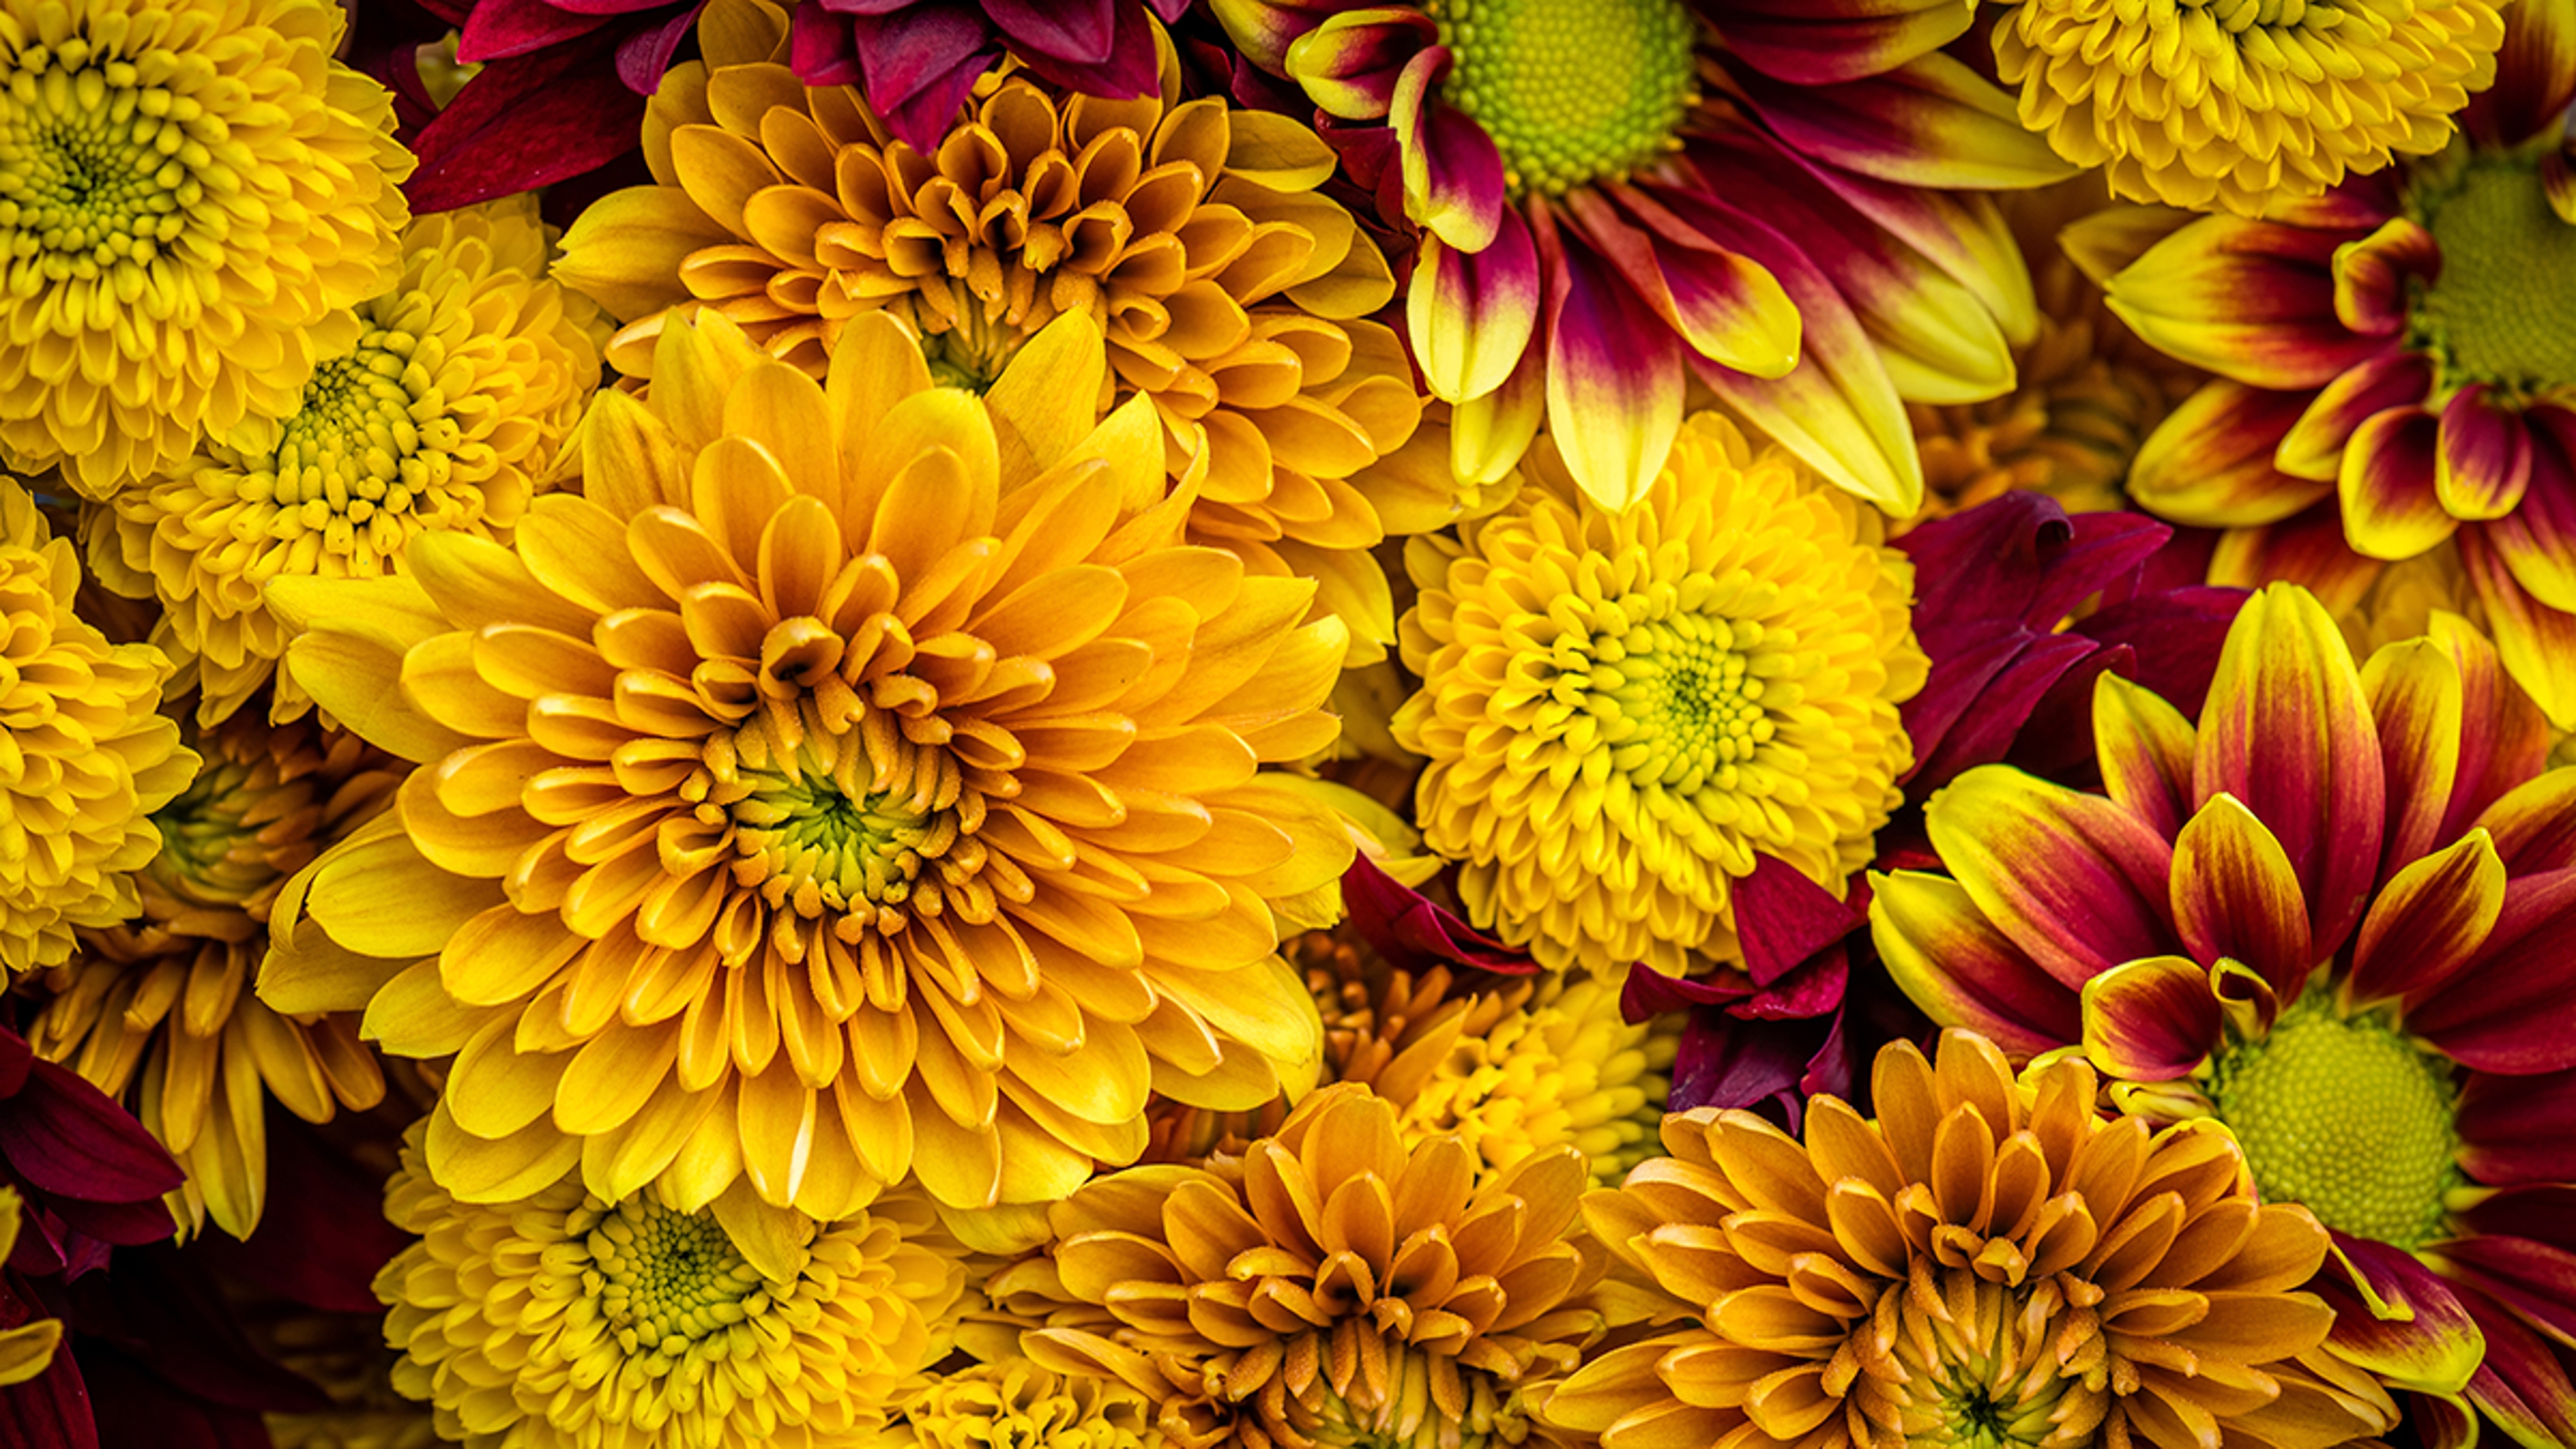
column 1615, row 199
column 2332, row 916
column 2400, row 355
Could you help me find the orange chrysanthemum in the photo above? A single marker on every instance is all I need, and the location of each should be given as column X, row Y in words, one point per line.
column 858, row 779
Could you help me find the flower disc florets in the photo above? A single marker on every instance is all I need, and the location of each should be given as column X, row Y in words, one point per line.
column 2482, row 319
column 1571, row 91
column 186, row 186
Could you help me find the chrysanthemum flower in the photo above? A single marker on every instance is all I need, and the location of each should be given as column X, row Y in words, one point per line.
column 1623, row 711
column 1617, row 192
column 27, row 1342
column 563, row 1321
column 2398, row 352
column 187, row 188
column 444, row 410
column 2333, row 917
column 2243, row 106
column 1986, row 1263
column 1331, row 1285
column 858, row 780
column 159, row 1009
column 1014, row 1402
column 88, row 757
column 1228, row 290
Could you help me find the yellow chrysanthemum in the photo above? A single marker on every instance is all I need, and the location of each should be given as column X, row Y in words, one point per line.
column 859, row 779
column 2237, row 104
column 190, row 191
column 567, row 1322
column 25, row 1348
column 1016, row 1404
column 445, row 412
column 1225, row 287
column 160, row 1006
column 1332, row 1285
column 1987, row 1263
column 85, row 758
column 1623, row 711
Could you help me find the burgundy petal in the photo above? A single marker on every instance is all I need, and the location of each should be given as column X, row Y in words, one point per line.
column 2374, row 277
column 1126, row 71
column 645, row 57
column 526, row 122
column 2543, row 1215
column 1766, row 1067
column 1075, row 31
column 2430, row 1343
column 1783, row 918
column 820, row 49
column 66, row 1138
column 2507, row 1011
column 499, row 29
column 2519, row 1129
column 1414, row 932
column 51, row 1410
column 2535, row 76
column 2175, row 636
column 2521, row 1382
column 919, row 64
column 2313, row 447
column 2484, row 463
column 2538, row 540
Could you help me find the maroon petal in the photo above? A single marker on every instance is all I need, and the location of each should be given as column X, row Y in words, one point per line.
column 2508, row 1011
column 2427, row 1342
column 2211, row 461
column 1766, row 1067
column 919, row 65
column 1413, row 932
column 2539, row 1216
column 51, row 1410
column 2519, row 1129
column 2153, row 1020
column 820, row 48
column 2392, row 504
column 1813, row 44
column 645, row 57
column 2484, row 463
column 499, row 29
column 1980, row 693
column 2535, row 76
column 2428, row 923
column 64, row 1137
column 1783, row 918
column 527, row 122
column 2521, row 1382
column 1130, row 69
column 1950, row 960
column 2538, row 540
column 1077, row 31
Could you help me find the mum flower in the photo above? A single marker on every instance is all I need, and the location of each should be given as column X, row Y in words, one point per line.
column 158, row 1009
column 88, row 756
column 1624, row 711
column 2242, row 107
column 1225, row 288
column 443, row 409
column 1332, row 1284
column 1986, row 1262
column 855, row 780
column 2331, row 917
column 1015, row 1401
column 1619, row 192
column 564, row 1321
column 2397, row 353
column 186, row 188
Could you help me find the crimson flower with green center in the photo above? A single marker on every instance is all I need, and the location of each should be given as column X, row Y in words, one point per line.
column 1614, row 198
column 2332, row 916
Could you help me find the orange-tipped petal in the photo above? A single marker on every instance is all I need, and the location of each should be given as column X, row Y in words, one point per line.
column 2392, row 506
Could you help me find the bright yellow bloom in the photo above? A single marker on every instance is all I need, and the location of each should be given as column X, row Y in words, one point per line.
column 1226, row 288
column 2239, row 105
column 857, row 779
column 27, row 1348
column 1987, row 1263
column 568, row 1322
column 85, row 758
column 444, row 410
column 190, row 192
column 1623, row 711
column 1330, row 1285
column 1016, row 1404
column 160, row 1008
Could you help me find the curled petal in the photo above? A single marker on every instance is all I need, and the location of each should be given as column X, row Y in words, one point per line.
column 2076, row 882
column 2313, row 447
column 2396, row 1319
column 2483, row 463
column 2392, row 506
column 1351, row 64
column 1945, row 956
column 2152, row 1020
column 1454, row 185
column 2210, row 462
column 2371, row 275
column 1471, row 314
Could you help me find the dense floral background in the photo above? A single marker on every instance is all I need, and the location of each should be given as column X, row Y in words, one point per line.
column 1287, row 724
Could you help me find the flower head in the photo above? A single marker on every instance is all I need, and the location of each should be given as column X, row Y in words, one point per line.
column 1017, row 1402
column 444, row 409
column 2326, row 916
column 1623, row 710
column 89, row 757
column 1985, row 1263
column 1333, row 1284
column 563, row 1321
column 2240, row 107
column 187, row 187
column 832, row 791
column 159, row 1008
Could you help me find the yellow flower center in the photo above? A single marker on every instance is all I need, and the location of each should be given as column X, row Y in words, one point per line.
column 373, row 437
column 2343, row 1115
column 1676, row 700
column 2485, row 319
column 201, row 835
column 1571, row 90
column 97, row 168
column 1988, row 1367
column 666, row 1279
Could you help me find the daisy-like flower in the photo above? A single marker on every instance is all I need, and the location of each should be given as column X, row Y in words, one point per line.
column 1619, row 192
column 1017, row 1402
column 187, row 188
column 565, row 1321
column 1226, row 288
column 88, row 759
column 2332, row 917
column 1330, row 1285
column 856, row 780
column 2398, row 354
column 2241, row 106
column 442, row 409
column 1985, row 1263
column 1623, row 711
column 159, row 1009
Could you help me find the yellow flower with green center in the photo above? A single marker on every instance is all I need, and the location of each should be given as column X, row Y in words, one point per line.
column 562, row 1321
column 443, row 410
column 187, row 189
column 87, row 755
column 2239, row 105
column 1565, row 1070
column 1624, row 711
column 1571, row 91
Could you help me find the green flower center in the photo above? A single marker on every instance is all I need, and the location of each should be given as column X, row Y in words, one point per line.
column 665, row 1279
column 972, row 353
column 2345, row 1116
column 1678, row 701
column 202, row 832
column 96, row 168
column 2504, row 308
column 830, row 842
column 1988, row 1379
column 1571, row 90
